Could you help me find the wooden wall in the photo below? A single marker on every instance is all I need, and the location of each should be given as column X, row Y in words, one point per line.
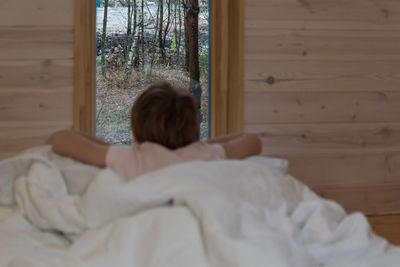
column 322, row 88
column 36, row 71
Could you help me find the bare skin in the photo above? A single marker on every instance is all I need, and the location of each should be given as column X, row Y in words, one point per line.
column 93, row 151
column 81, row 147
column 238, row 145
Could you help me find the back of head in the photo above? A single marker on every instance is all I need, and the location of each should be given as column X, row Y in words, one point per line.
column 165, row 115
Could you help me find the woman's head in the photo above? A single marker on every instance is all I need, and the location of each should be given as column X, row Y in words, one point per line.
column 165, row 115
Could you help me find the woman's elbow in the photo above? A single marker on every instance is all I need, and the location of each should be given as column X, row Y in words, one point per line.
column 59, row 141
column 256, row 143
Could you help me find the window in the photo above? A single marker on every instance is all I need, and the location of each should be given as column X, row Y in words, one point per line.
column 139, row 42
column 225, row 73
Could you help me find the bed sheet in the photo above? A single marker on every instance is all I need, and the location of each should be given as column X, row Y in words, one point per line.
column 57, row 212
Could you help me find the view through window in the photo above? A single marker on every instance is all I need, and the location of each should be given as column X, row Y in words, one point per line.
column 143, row 41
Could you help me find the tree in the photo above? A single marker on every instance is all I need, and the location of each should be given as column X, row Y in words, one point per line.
column 142, row 33
column 132, row 47
column 161, row 28
column 175, row 22
column 128, row 38
column 153, row 48
column 137, row 43
column 179, row 42
column 185, row 29
column 166, row 28
column 192, row 29
column 103, row 39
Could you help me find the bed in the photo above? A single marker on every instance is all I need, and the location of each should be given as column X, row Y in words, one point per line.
column 58, row 212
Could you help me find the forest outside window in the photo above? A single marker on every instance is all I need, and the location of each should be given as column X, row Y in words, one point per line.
column 139, row 42
column 225, row 93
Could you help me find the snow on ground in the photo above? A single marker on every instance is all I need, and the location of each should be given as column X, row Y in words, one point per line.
column 118, row 17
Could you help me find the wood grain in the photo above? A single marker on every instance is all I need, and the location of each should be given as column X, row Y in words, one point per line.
column 236, row 66
column 44, row 74
column 322, row 45
column 292, row 139
column 315, row 14
column 321, row 107
column 321, row 76
column 368, row 169
column 5, row 155
column 387, row 226
column 322, row 90
column 219, row 67
column 35, row 106
column 36, row 13
column 84, row 66
column 366, row 182
column 36, row 65
column 370, row 200
column 44, row 42
column 16, row 139
column 327, row 25
column 227, row 41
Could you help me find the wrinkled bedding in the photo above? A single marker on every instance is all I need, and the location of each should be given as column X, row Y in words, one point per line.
column 57, row 212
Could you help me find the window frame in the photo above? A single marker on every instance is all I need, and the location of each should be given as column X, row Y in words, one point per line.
column 226, row 74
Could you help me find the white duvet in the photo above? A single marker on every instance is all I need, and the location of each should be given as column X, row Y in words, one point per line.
column 56, row 212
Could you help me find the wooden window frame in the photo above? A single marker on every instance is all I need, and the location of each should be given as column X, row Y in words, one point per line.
column 227, row 38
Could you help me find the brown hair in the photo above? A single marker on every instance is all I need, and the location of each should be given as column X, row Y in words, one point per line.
column 165, row 115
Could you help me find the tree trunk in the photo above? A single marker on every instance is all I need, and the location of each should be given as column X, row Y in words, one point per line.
column 178, row 44
column 128, row 31
column 103, row 39
column 192, row 26
column 142, row 35
column 154, row 46
column 175, row 40
column 137, row 42
column 161, row 28
column 166, row 28
column 185, row 26
column 131, row 53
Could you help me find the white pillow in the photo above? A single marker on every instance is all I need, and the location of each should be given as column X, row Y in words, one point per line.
column 77, row 175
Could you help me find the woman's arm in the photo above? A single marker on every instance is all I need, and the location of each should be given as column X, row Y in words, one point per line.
column 81, row 147
column 94, row 139
column 223, row 139
column 241, row 146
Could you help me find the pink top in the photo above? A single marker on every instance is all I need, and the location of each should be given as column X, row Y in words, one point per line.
column 132, row 161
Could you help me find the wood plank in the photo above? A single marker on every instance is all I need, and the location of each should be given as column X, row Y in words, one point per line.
column 331, row 14
column 322, row 45
column 219, row 67
column 227, row 42
column 17, row 139
column 236, row 66
column 84, row 104
column 269, row 23
column 36, row 74
column 368, row 199
column 292, row 139
column 5, row 155
column 35, row 106
column 321, row 107
column 322, row 91
column 27, row 43
column 310, row 75
column 369, row 169
column 35, row 13
column 387, row 226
